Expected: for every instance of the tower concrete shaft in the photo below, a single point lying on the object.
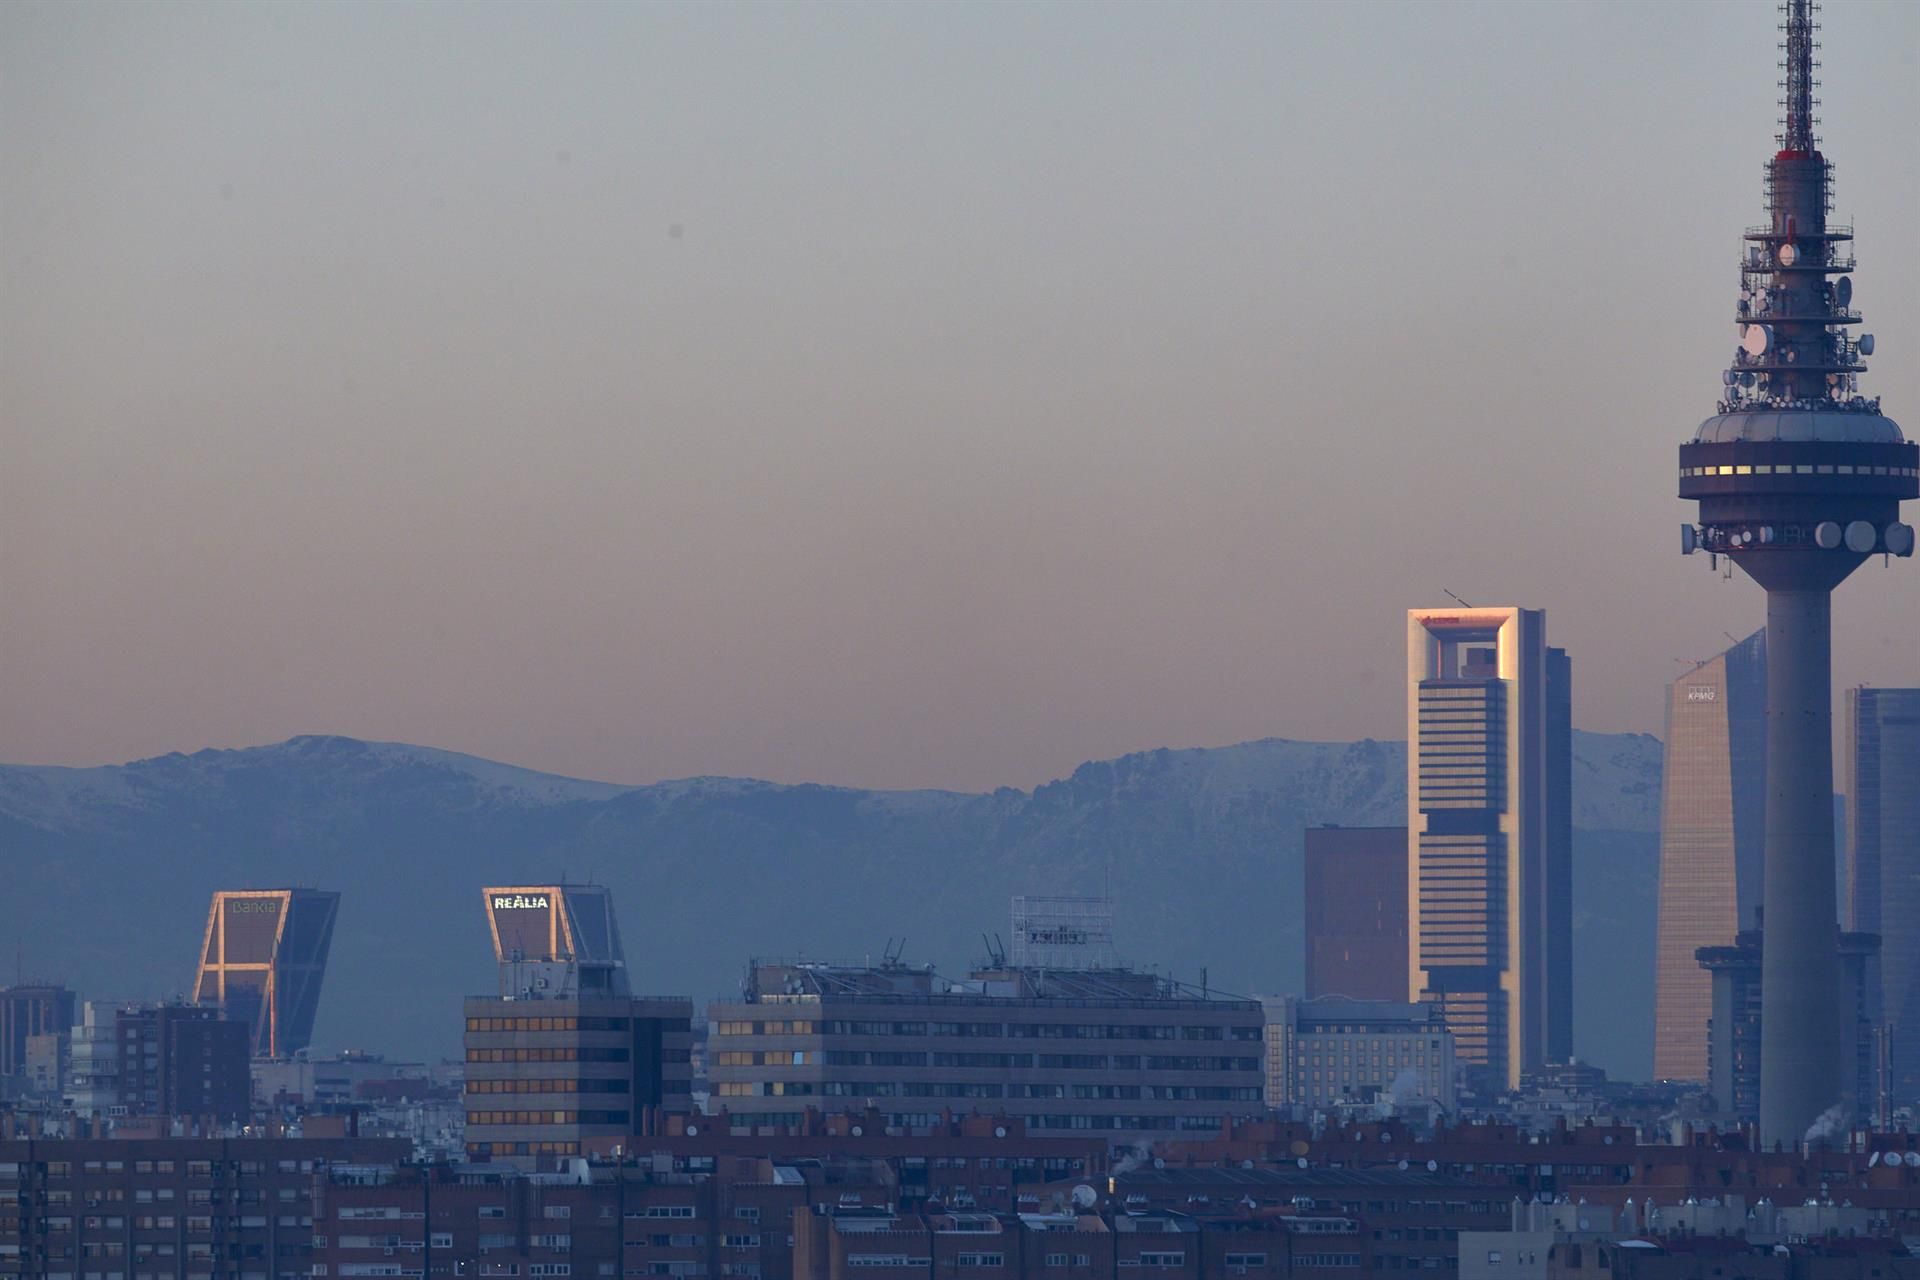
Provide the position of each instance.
(1800, 1058)
(1799, 480)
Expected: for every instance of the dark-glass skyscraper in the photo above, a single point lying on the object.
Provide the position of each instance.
(263, 959)
(1883, 850)
(1356, 912)
(1712, 831)
(1799, 479)
(1488, 903)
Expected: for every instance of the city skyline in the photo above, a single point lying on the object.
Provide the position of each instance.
(645, 429)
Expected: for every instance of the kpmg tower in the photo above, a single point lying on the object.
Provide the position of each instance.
(1799, 480)
(1712, 835)
(1489, 858)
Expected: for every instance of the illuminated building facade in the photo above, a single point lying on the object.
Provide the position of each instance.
(556, 940)
(1712, 833)
(263, 959)
(1489, 910)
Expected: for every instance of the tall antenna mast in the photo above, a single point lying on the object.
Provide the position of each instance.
(1796, 125)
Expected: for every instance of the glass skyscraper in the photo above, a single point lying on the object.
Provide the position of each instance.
(263, 959)
(1883, 861)
(1712, 841)
(1489, 833)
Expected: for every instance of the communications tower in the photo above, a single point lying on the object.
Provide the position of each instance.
(1799, 479)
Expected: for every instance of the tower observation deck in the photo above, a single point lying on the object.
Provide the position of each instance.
(1799, 480)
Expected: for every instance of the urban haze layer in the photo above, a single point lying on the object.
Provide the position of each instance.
(1055, 1112)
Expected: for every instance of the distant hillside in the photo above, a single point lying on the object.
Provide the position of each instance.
(109, 869)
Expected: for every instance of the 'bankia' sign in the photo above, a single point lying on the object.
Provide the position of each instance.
(520, 902)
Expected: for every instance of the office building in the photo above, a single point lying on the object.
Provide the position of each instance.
(544, 1075)
(1799, 479)
(263, 959)
(1356, 912)
(1736, 1032)
(1712, 840)
(182, 1060)
(1335, 1051)
(556, 940)
(1883, 844)
(1488, 906)
(565, 1053)
(27, 1011)
(1107, 1051)
(1559, 856)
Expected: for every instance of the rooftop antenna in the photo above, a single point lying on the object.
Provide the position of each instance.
(1456, 599)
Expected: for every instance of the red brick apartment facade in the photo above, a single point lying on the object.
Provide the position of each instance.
(166, 1208)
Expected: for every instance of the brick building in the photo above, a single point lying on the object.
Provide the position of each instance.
(166, 1208)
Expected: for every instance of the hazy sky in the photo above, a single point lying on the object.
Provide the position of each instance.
(894, 394)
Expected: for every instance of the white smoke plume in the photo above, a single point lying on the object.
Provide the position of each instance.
(1404, 1089)
(1831, 1124)
(1137, 1155)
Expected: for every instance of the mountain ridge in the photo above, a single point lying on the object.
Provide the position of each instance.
(1201, 846)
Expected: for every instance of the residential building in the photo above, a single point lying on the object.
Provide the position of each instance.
(1356, 912)
(93, 1062)
(1712, 841)
(182, 1060)
(1883, 856)
(1335, 1052)
(1488, 721)
(263, 959)
(173, 1208)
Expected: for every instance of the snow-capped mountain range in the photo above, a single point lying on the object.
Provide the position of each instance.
(109, 869)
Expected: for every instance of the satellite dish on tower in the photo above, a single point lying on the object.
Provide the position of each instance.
(1899, 538)
(1866, 344)
(1843, 290)
(1788, 255)
(1826, 535)
(1756, 339)
(1861, 536)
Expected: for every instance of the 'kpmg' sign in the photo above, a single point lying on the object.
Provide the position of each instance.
(520, 902)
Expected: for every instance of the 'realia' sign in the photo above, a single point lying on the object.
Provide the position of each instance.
(520, 901)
